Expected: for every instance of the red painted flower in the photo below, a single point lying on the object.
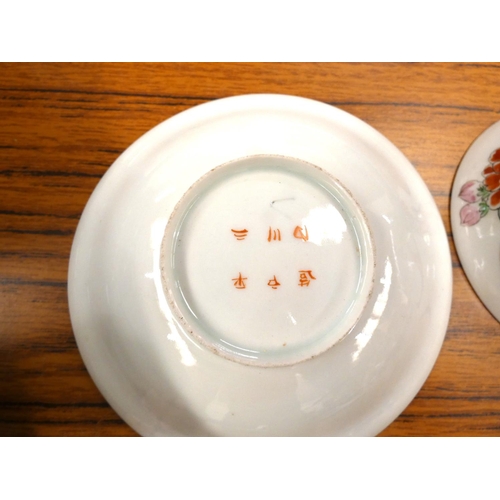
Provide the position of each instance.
(494, 200)
(495, 156)
(492, 181)
(489, 170)
(481, 197)
(494, 166)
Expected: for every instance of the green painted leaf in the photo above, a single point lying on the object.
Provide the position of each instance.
(483, 209)
(483, 192)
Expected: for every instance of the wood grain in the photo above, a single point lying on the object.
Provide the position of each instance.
(63, 125)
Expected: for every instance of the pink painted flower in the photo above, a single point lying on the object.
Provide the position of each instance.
(482, 197)
(469, 191)
(470, 214)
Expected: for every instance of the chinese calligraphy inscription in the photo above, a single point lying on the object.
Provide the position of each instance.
(240, 234)
(301, 233)
(305, 275)
(273, 283)
(239, 282)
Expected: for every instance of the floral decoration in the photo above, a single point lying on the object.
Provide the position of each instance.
(482, 196)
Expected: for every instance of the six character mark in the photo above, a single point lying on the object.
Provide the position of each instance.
(305, 275)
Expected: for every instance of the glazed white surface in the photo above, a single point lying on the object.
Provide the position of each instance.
(478, 245)
(242, 296)
(160, 380)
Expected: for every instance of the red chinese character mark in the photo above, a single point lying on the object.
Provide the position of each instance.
(240, 234)
(300, 233)
(239, 282)
(305, 278)
(274, 234)
(273, 283)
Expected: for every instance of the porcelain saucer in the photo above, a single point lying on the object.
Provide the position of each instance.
(261, 265)
(475, 216)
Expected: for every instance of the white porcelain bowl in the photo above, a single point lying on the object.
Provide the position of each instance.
(260, 265)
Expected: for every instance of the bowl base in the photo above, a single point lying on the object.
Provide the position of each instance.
(270, 261)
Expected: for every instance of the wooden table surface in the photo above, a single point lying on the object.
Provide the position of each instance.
(63, 125)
